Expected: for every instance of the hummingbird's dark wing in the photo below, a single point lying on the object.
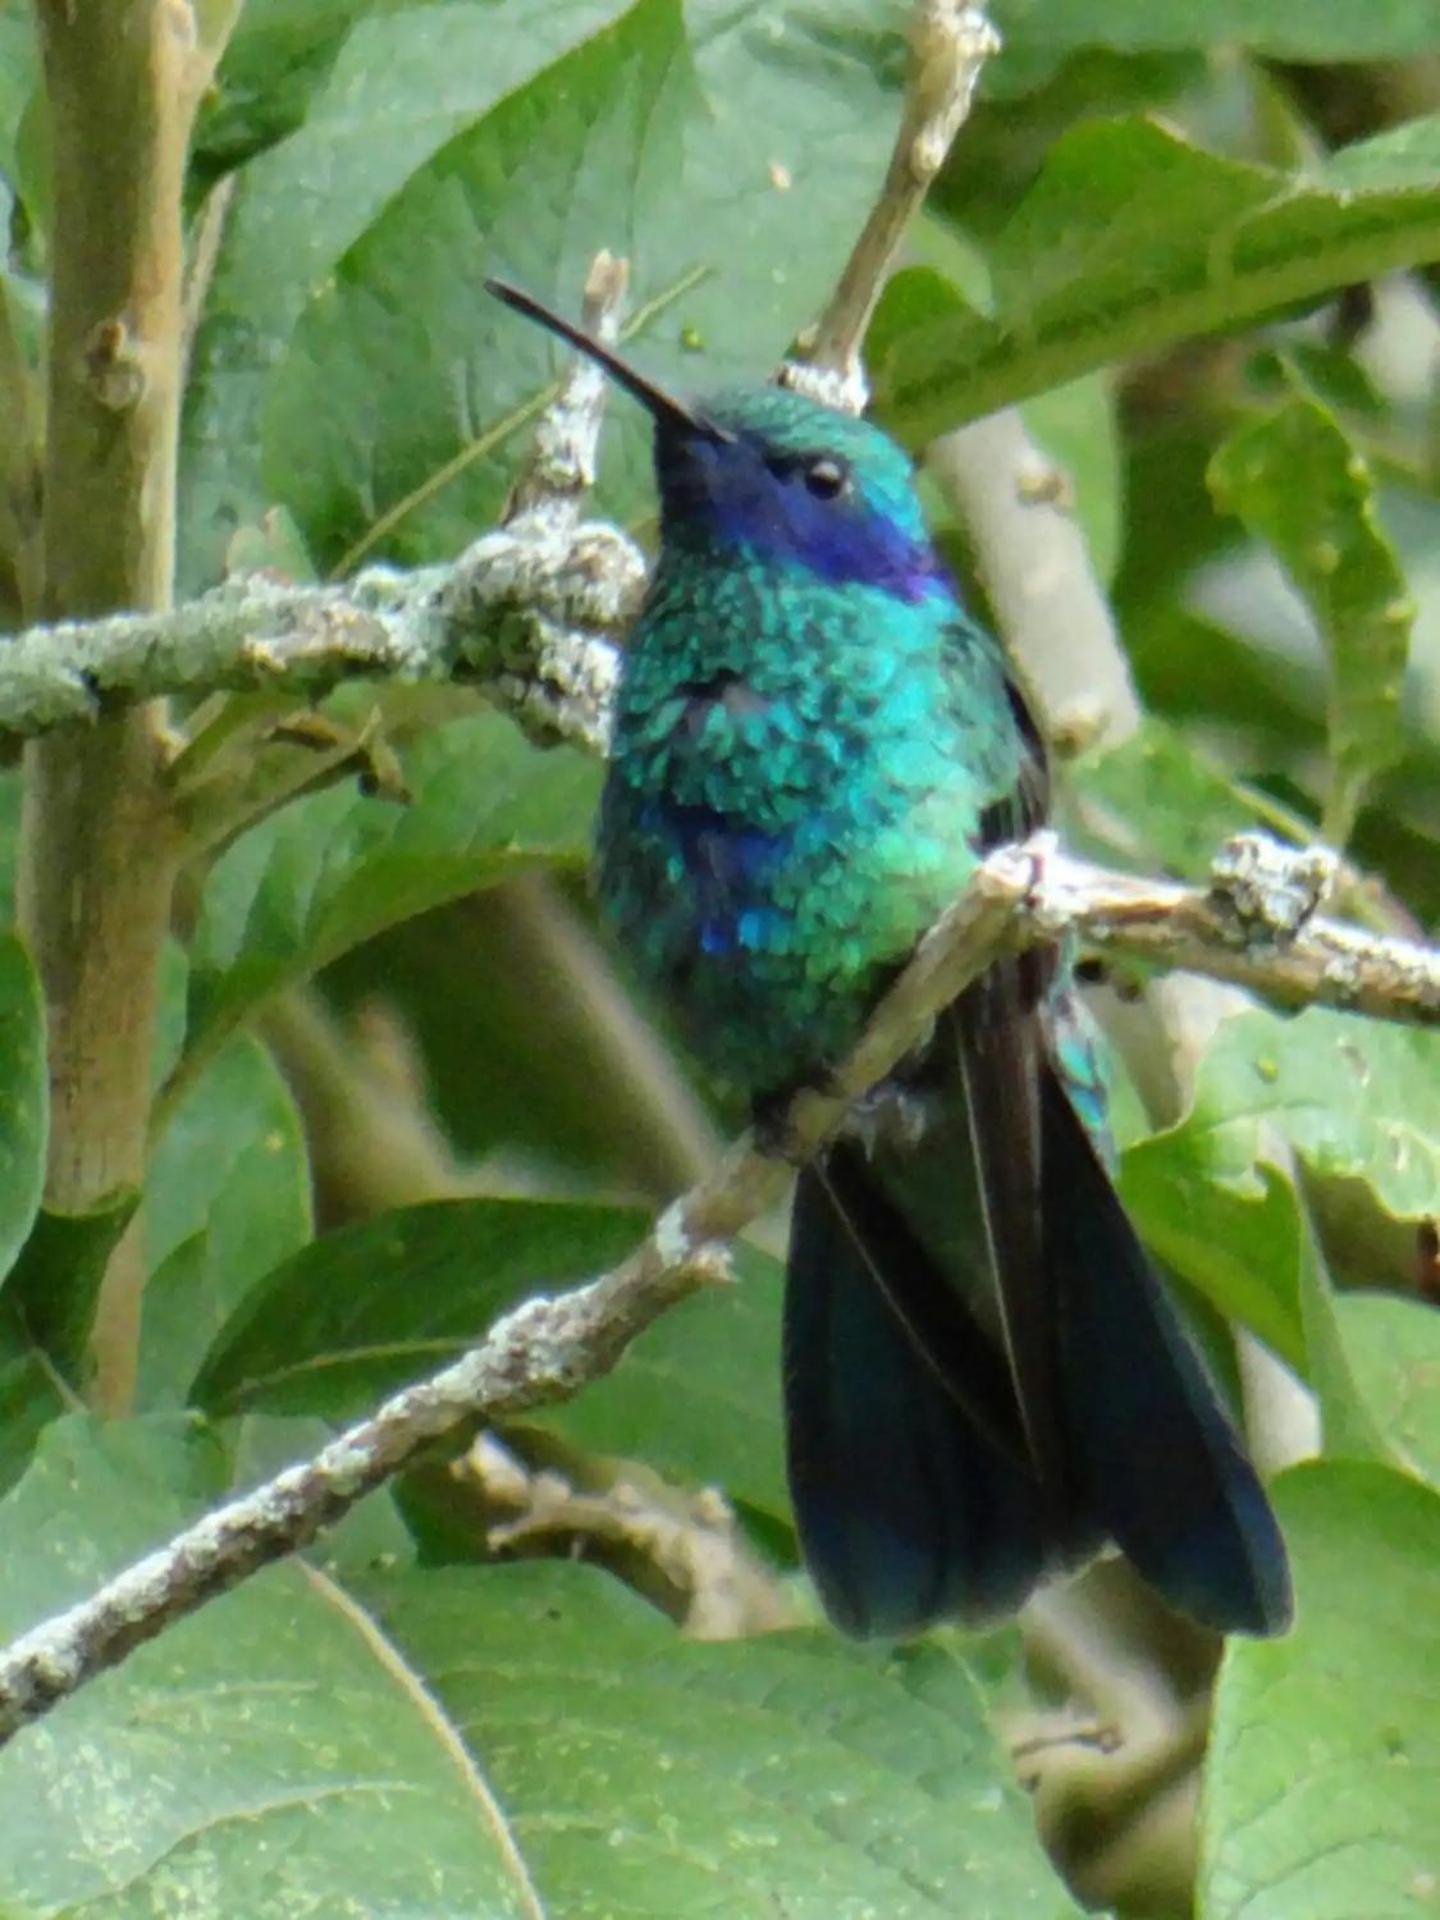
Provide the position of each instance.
(916, 1491)
(907, 1471)
(1154, 1456)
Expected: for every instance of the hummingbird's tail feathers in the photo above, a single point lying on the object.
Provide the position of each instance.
(910, 1508)
(998, 1052)
(1161, 1467)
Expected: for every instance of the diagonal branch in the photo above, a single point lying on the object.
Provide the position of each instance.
(1255, 923)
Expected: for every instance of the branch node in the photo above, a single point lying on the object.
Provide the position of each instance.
(113, 362)
(1267, 892)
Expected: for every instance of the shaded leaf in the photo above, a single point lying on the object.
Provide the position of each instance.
(1319, 1792)
(272, 1755)
(1227, 1221)
(227, 1198)
(32, 1394)
(315, 880)
(1131, 239)
(364, 1310)
(1157, 802)
(56, 1280)
(648, 1776)
(403, 83)
(1298, 485)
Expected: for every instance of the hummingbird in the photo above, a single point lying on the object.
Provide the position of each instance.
(814, 747)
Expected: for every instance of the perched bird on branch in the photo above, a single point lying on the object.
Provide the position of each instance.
(814, 747)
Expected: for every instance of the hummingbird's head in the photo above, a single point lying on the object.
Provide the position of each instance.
(766, 474)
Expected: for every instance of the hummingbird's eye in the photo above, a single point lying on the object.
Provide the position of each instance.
(826, 477)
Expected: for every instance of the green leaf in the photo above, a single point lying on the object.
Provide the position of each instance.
(19, 73)
(1355, 1099)
(1156, 801)
(1298, 484)
(1225, 1220)
(272, 1755)
(1284, 29)
(56, 1281)
(24, 1098)
(330, 870)
(404, 82)
(650, 1776)
(1394, 1352)
(1319, 1796)
(698, 1395)
(1131, 239)
(733, 240)
(1349, 1427)
(227, 1197)
(364, 1310)
(32, 1394)
(425, 372)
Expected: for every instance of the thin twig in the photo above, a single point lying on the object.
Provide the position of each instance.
(950, 41)
(1256, 919)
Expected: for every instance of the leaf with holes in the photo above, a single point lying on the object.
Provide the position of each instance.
(1298, 484)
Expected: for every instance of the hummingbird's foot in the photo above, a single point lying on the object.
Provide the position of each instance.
(891, 1114)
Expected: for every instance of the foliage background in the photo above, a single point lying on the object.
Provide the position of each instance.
(401, 1082)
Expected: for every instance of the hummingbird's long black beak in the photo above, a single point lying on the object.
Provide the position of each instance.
(663, 406)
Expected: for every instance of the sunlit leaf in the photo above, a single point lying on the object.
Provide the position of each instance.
(1319, 1801)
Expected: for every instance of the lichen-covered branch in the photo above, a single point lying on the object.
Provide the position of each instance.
(476, 620)
(1256, 922)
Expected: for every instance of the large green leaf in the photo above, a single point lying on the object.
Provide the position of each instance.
(1131, 239)
(331, 870)
(421, 368)
(1353, 1098)
(227, 1197)
(375, 1305)
(1320, 1781)
(362, 1311)
(24, 1098)
(274, 1755)
(1299, 485)
(733, 242)
(647, 1776)
(403, 83)
(1393, 1346)
(1039, 31)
